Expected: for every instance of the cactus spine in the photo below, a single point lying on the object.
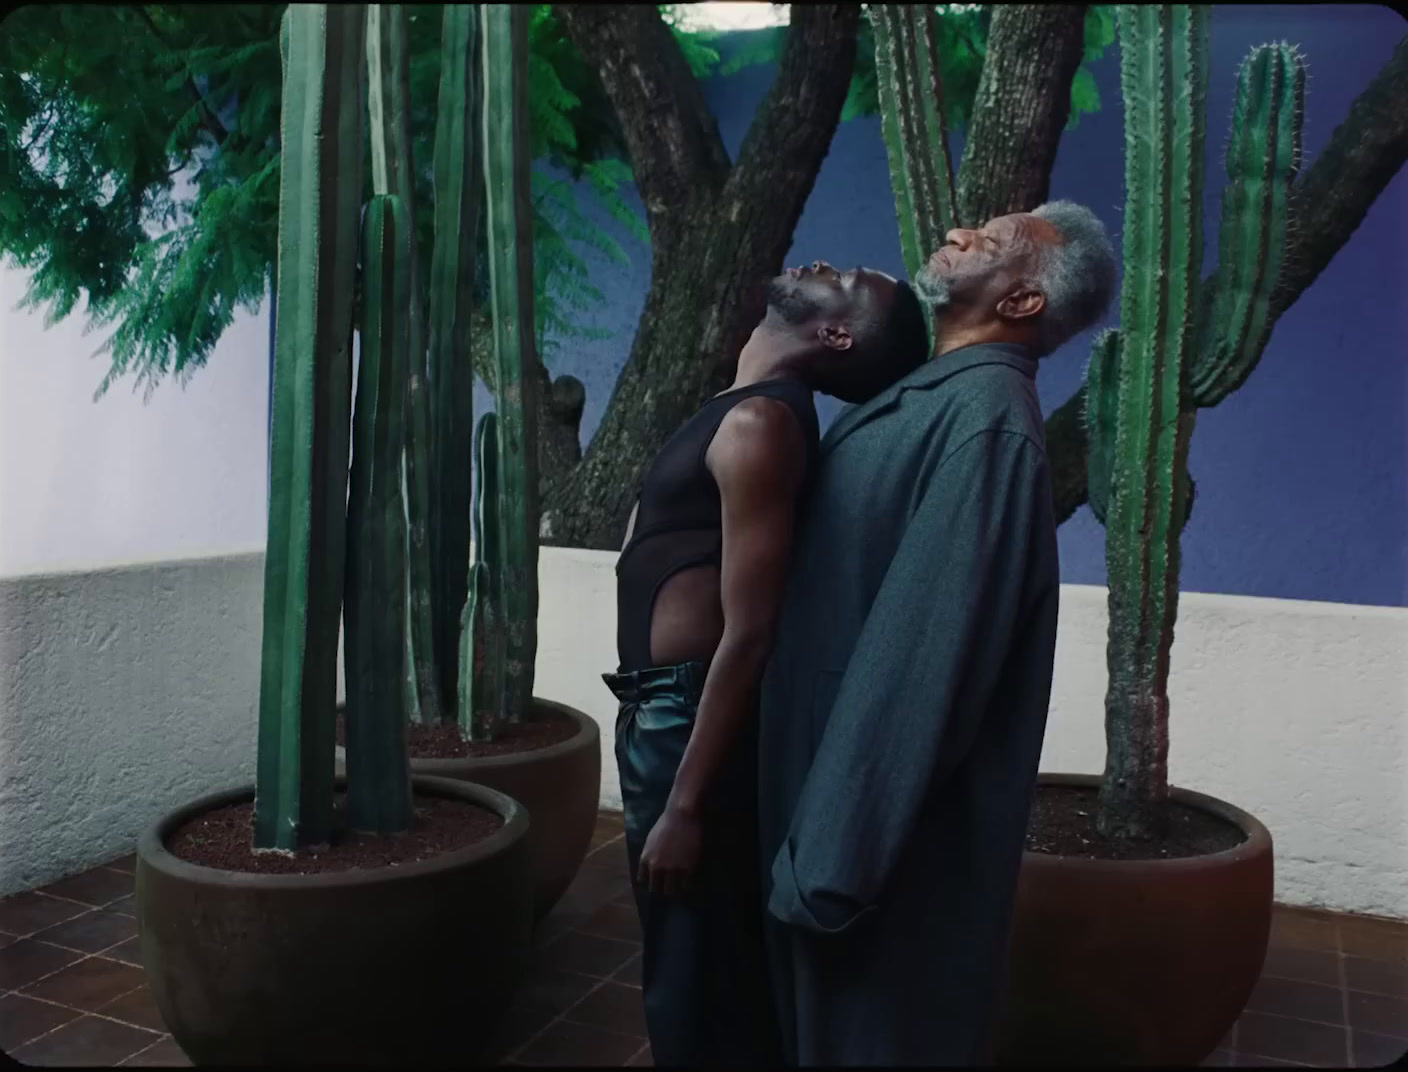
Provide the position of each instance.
(481, 699)
(388, 68)
(320, 190)
(510, 222)
(1171, 353)
(458, 195)
(912, 122)
(378, 765)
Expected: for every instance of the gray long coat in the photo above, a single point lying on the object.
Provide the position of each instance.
(902, 716)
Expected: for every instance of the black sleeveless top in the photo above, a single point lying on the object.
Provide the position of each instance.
(679, 519)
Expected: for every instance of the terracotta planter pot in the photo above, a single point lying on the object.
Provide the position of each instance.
(406, 965)
(559, 785)
(1136, 962)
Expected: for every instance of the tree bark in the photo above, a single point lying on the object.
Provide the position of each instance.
(1021, 108)
(560, 403)
(717, 232)
(1328, 203)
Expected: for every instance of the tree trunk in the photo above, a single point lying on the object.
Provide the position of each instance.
(560, 403)
(1328, 204)
(718, 232)
(1021, 108)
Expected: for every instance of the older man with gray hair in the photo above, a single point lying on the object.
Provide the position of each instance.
(903, 710)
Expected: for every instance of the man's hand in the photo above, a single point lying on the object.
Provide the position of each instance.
(671, 852)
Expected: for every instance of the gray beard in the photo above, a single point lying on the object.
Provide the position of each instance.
(932, 289)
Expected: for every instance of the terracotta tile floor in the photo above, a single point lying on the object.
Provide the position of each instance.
(1334, 992)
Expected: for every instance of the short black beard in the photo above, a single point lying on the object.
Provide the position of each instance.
(792, 307)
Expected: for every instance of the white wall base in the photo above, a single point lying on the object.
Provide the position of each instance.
(128, 692)
(1296, 712)
(124, 693)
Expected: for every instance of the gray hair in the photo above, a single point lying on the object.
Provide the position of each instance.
(1077, 276)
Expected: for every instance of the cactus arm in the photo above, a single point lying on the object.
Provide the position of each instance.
(481, 627)
(378, 764)
(320, 187)
(913, 126)
(1102, 384)
(940, 191)
(388, 69)
(510, 240)
(1263, 158)
(458, 186)
(1164, 77)
(887, 64)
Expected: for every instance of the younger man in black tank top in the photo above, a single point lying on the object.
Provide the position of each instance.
(699, 583)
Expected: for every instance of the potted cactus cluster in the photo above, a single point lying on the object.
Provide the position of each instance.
(1143, 911)
(471, 639)
(377, 914)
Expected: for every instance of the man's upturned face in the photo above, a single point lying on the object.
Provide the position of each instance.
(826, 306)
(978, 268)
(814, 293)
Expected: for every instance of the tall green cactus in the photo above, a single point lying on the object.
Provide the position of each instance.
(1172, 352)
(459, 180)
(481, 691)
(388, 68)
(506, 176)
(913, 126)
(320, 190)
(378, 765)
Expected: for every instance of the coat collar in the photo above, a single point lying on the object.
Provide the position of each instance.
(930, 374)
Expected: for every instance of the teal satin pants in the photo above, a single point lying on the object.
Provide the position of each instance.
(703, 965)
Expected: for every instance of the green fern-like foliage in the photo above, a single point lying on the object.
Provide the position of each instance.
(154, 211)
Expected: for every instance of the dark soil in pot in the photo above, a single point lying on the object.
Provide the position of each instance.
(542, 729)
(1062, 823)
(223, 839)
(550, 762)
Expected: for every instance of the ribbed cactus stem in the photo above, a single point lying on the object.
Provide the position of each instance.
(1102, 393)
(481, 702)
(1164, 78)
(388, 70)
(510, 242)
(1263, 158)
(320, 191)
(458, 185)
(913, 126)
(378, 766)
(1101, 397)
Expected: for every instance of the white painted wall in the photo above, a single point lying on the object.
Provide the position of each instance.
(85, 484)
(125, 692)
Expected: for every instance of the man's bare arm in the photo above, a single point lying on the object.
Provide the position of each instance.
(758, 458)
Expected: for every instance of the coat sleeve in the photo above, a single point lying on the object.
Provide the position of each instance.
(922, 673)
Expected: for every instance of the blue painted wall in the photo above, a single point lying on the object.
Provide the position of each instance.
(1303, 474)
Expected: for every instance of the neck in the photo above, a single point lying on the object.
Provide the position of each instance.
(957, 335)
(767, 355)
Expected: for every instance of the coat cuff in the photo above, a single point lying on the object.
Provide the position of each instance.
(818, 912)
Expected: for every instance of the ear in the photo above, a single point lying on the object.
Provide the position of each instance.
(1021, 304)
(835, 337)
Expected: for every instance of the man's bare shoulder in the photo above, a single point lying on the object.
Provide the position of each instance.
(759, 439)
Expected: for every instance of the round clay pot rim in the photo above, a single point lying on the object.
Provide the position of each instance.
(586, 728)
(1258, 841)
(152, 851)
